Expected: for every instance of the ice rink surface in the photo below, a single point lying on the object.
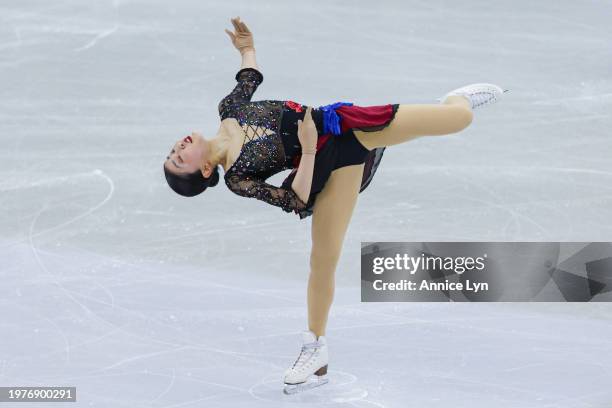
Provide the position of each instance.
(139, 298)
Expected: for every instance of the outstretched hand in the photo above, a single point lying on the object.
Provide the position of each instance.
(307, 132)
(242, 38)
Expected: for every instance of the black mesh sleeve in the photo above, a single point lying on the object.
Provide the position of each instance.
(249, 186)
(306, 210)
(248, 80)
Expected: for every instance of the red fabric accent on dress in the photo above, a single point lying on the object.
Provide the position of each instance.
(363, 117)
(354, 117)
(321, 141)
(294, 106)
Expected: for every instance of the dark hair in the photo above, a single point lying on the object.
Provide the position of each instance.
(189, 185)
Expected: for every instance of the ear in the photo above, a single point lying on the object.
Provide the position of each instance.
(206, 169)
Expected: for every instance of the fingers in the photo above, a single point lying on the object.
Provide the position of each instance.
(308, 114)
(239, 26)
(232, 36)
(236, 24)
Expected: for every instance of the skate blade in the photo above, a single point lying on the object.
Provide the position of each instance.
(309, 384)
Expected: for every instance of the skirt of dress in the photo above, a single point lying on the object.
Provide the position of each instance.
(339, 150)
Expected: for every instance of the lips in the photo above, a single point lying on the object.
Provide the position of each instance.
(188, 139)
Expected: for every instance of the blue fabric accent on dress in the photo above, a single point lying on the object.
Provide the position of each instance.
(331, 120)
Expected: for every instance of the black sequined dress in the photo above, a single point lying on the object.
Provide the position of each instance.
(271, 145)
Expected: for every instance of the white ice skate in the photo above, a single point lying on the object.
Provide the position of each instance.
(310, 368)
(478, 94)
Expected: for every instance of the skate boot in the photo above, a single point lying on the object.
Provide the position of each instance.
(478, 94)
(310, 368)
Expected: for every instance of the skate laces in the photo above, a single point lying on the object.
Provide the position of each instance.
(308, 350)
(480, 98)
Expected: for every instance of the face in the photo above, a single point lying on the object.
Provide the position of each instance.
(186, 155)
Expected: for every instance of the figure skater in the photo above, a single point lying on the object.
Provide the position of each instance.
(334, 151)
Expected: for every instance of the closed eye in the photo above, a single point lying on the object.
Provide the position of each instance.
(172, 152)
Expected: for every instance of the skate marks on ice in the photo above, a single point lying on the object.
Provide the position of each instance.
(513, 211)
(54, 182)
(341, 389)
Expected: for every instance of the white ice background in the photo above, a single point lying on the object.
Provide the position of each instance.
(111, 283)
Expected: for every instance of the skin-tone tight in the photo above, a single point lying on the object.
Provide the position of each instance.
(335, 203)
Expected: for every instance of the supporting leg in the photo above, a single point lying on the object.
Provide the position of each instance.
(331, 216)
(412, 121)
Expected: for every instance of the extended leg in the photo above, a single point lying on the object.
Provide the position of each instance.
(330, 219)
(412, 121)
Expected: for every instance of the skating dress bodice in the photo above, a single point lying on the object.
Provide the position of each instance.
(264, 151)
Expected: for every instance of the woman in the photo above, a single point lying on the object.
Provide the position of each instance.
(334, 152)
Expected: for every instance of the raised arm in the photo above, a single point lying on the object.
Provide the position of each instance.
(242, 38)
(249, 77)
